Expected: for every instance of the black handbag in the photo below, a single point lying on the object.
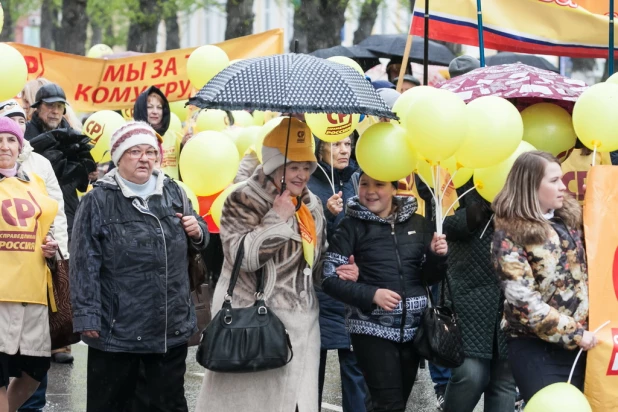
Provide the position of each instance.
(439, 339)
(248, 339)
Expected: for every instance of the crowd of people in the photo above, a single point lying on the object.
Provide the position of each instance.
(347, 261)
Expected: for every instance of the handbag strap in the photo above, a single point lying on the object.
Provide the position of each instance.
(186, 209)
(59, 250)
(240, 254)
(444, 282)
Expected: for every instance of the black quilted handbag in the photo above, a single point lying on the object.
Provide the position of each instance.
(439, 339)
(248, 339)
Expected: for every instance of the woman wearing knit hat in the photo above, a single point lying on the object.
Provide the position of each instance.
(398, 254)
(285, 237)
(129, 278)
(25, 244)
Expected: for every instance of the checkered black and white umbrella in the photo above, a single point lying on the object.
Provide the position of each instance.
(291, 83)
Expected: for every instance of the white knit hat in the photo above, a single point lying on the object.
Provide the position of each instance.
(129, 135)
(10, 108)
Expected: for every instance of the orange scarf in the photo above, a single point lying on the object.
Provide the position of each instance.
(306, 224)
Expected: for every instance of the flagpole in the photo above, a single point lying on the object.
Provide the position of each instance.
(611, 37)
(479, 12)
(426, 46)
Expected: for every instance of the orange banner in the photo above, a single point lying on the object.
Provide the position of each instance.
(98, 84)
(601, 227)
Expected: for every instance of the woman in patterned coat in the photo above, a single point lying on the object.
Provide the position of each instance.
(540, 258)
(285, 242)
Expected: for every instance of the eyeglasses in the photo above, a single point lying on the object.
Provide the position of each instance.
(137, 154)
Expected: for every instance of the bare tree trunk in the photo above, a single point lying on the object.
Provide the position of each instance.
(74, 27)
(318, 24)
(369, 13)
(8, 32)
(144, 27)
(97, 34)
(172, 38)
(49, 24)
(239, 18)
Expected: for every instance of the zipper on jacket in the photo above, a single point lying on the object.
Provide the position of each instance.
(166, 267)
(404, 305)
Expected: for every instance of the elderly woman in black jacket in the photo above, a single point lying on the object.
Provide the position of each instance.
(397, 253)
(129, 278)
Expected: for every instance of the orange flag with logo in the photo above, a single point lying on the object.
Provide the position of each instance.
(601, 227)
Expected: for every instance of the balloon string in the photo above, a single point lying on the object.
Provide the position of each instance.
(332, 168)
(433, 196)
(594, 155)
(457, 200)
(581, 350)
(439, 209)
(487, 225)
(330, 182)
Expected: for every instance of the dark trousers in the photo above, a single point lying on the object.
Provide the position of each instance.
(353, 390)
(389, 368)
(537, 364)
(37, 401)
(112, 379)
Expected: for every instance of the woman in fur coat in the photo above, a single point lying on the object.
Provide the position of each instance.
(539, 254)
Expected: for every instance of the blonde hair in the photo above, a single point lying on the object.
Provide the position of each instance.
(28, 95)
(519, 199)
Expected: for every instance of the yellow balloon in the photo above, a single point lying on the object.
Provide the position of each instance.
(204, 63)
(242, 118)
(216, 210)
(331, 127)
(264, 130)
(190, 195)
(461, 175)
(494, 131)
(436, 124)
(490, 180)
(175, 123)
(258, 118)
(559, 397)
(595, 119)
(209, 162)
(99, 50)
(612, 79)
(127, 114)
(346, 61)
(211, 119)
(179, 109)
(14, 72)
(245, 138)
(423, 169)
(384, 152)
(408, 97)
(100, 127)
(549, 128)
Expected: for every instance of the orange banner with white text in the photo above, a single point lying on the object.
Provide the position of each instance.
(98, 84)
(601, 227)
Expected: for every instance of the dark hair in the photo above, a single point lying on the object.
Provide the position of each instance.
(361, 172)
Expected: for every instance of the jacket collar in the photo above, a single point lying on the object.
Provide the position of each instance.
(36, 120)
(405, 209)
(21, 174)
(112, 181)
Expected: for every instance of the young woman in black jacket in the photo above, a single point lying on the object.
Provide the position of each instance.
(397, 253)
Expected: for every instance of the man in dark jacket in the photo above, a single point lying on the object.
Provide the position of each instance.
(153, 108)
(50, 108)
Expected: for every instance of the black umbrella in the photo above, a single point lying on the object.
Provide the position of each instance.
(364, 57)
(529, 59)
(393, 45)
(292, 83)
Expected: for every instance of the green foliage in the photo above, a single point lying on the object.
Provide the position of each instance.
(20, 8)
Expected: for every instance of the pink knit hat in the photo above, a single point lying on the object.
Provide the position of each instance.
(8, 125)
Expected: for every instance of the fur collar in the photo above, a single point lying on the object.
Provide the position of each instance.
(526, 232)
(265, 188)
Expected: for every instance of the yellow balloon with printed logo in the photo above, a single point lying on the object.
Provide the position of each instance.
(346, 61)
(436, 124)
(127, 114)
(216, 210)
(14, 72)
(490, 180)
(384, 152)
(549, 128)
(594, 117)
(331, 127)
(204, 63)
(494, 131)
(211, 119)
(100, 127)
(190, 195)
(242, 118)
(209, 162)
(175, 123)
(180, 110)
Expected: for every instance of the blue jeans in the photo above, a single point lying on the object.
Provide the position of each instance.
(353, 388)
(36, 403)
(439, 375)
(476, 377)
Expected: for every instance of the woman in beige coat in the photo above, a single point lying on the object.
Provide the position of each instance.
(273, 242)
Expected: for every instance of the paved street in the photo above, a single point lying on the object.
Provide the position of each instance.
(67, 386)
